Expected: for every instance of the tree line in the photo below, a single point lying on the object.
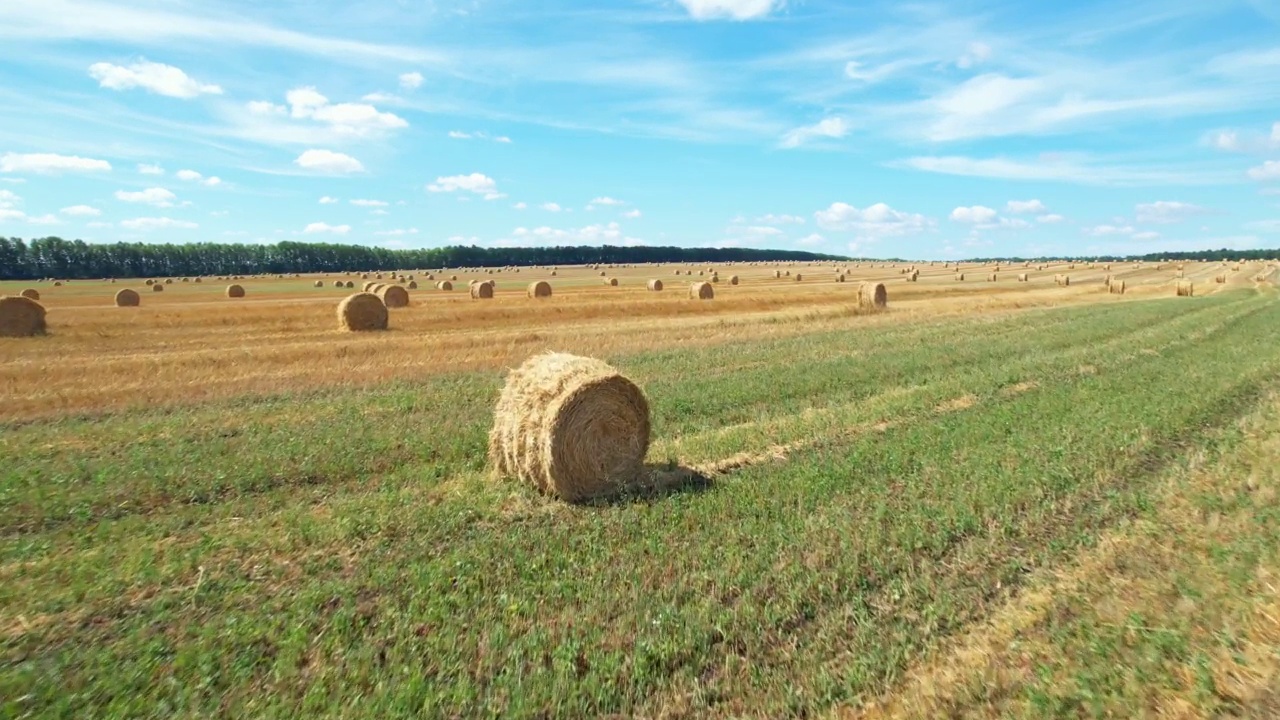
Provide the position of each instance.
(59, 258)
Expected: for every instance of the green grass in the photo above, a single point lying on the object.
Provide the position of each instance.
(341, 553)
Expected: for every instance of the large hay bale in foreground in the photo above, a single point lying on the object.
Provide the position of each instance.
(656, 285)
(570, 426)
(539, 289)
(701, 291)
(481, 291)
(394, 296)
(1185, 288)
(30, 294)
(128, 298)
(21, 317)
(362, 311)
(873, 295)
(235, 291)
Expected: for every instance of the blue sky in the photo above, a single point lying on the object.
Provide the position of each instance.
(918, 130)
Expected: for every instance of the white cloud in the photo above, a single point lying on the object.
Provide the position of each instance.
(81, 211)
(877, 220)
(145, 169)
(1275, 133)
(326, 200)
(478, 135)
(475, 182)
(157, 223)
(370, 203)
(158, 78)
(262, 107)
(459, 135)
(50, 163)
(631, 214)
(977, 54)
(1166, 211)
(520, 205)
(1050, 218)
(832, 127)
(328, 161)
(1104, 230)
(8, 198)
(855, 70)
(605, 200)
(975, 214)
(771, 219)
(964, 111)
(1019, 207)
(411, 80)
(502, 139)
(1228, 140)
(598, 234)
(1269, 170)
(811, 240)
(1147, 235)
(731, 9)
(193, 176)
(43, 219)
(343, 120)
(550, 207)
(397, 232)
(320, 227)
(381, 97)
(160, 197)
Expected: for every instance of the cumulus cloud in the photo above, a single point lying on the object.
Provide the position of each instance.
(146, 169)
(598, 234)
(157, 223)
(974, 214)
(321, 227)
(193, 176)
(976, 54)
(631, 214)
(550, 207)
(811, 240)
(730, 9)
(81, 211)
(328, 161)
(520, 205)
(159, 197)
(878, 220)
(326, 200)
(50, 163)
(411, 80)
(153, 77)
(605, 200)
(477, 183)
(1019, 207)
(1269, 170)
(345, 119)
(1166, 211)
(832, 127)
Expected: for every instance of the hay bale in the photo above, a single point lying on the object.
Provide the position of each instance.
(799, 277)
(603, 273)
(959, 277)
(701, 291)
(128, 298)
(57, 283)
(1185, 288)
(733, 279)
(539, 289)
(481, 291)
(840, 277)
(338, 284)
(30, 294)
(776, 273)
(1179, 275)
(235, 291)
(655, 285)
(1116, 287)
(157, 288)
(362, 311)
(350, 285)
(368, 286)
(21, 317)
(992, 277)
(168, 281)
(413, 284)
(1022, 277)
(873, 295)
(611, 281)
(394, 296)
(1220, 279)
(444, 285)
(454, 278)
(913, 276)
(570, 426)
(150, 282)
(678, 271)
(318, 283)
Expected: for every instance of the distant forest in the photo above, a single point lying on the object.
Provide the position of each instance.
(59, 258)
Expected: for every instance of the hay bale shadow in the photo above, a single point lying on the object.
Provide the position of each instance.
(656, 482)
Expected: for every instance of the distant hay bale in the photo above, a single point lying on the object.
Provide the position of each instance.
(787, 273)
(611, 281)
(678, 271)
(377, 288)
(362, 312)
(413, 284)
(873, 295)
(150, 282)
(959, 277)
(913, 276)
(840, 277)
(539, 289)
(1178, 275)
(235, 291)
(993, 277)
(570, 426)
(655, 285)
(603, 273)
(1022, 277)
(157, 288)
(57, 283)
(197, 280)
(350, 285)
(733, 279)
(338, 284)
(481, 291)
(1220, 279)
(128, 298)
(21, 317)
(394, 296)
(444, 285)
(1116, 287)
(1185, 288)
(318, 283)
(776, 273)
(377, 276)
(168, 281)
(798, 277)
(454, 278)
(701, 291)
(30, 294)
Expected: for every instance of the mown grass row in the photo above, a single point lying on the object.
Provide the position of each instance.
(786, 588)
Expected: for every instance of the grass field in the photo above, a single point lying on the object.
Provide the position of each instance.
(993, 499)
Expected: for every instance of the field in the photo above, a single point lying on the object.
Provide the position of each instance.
(991, 499)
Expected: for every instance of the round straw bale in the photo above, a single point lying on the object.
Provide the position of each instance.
(677, 271)
(481, 291)
(394, 296)
(733, 279)
(128, 298)
(960, 277)
(570, 426)
(776, 273)
(369, 286)
(1022, 277)
(21, 317)
(453, 278)
(840, 277)
(413, 284)
(1220, 279)
(613, 282)
(993, 277)
(235, 291)
(57, 283)
(350, 285)
(338, 283)
(157, 288)
(168, 281)
(1116, 287)
(539, 289)
(873, 295)
(603, 273)
(444, 285)
(701, 291)
(150, 282)
(31, 294)
(362, 311)
(1185, 288)
(654, 285)
(799, 277)
(318, 283)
